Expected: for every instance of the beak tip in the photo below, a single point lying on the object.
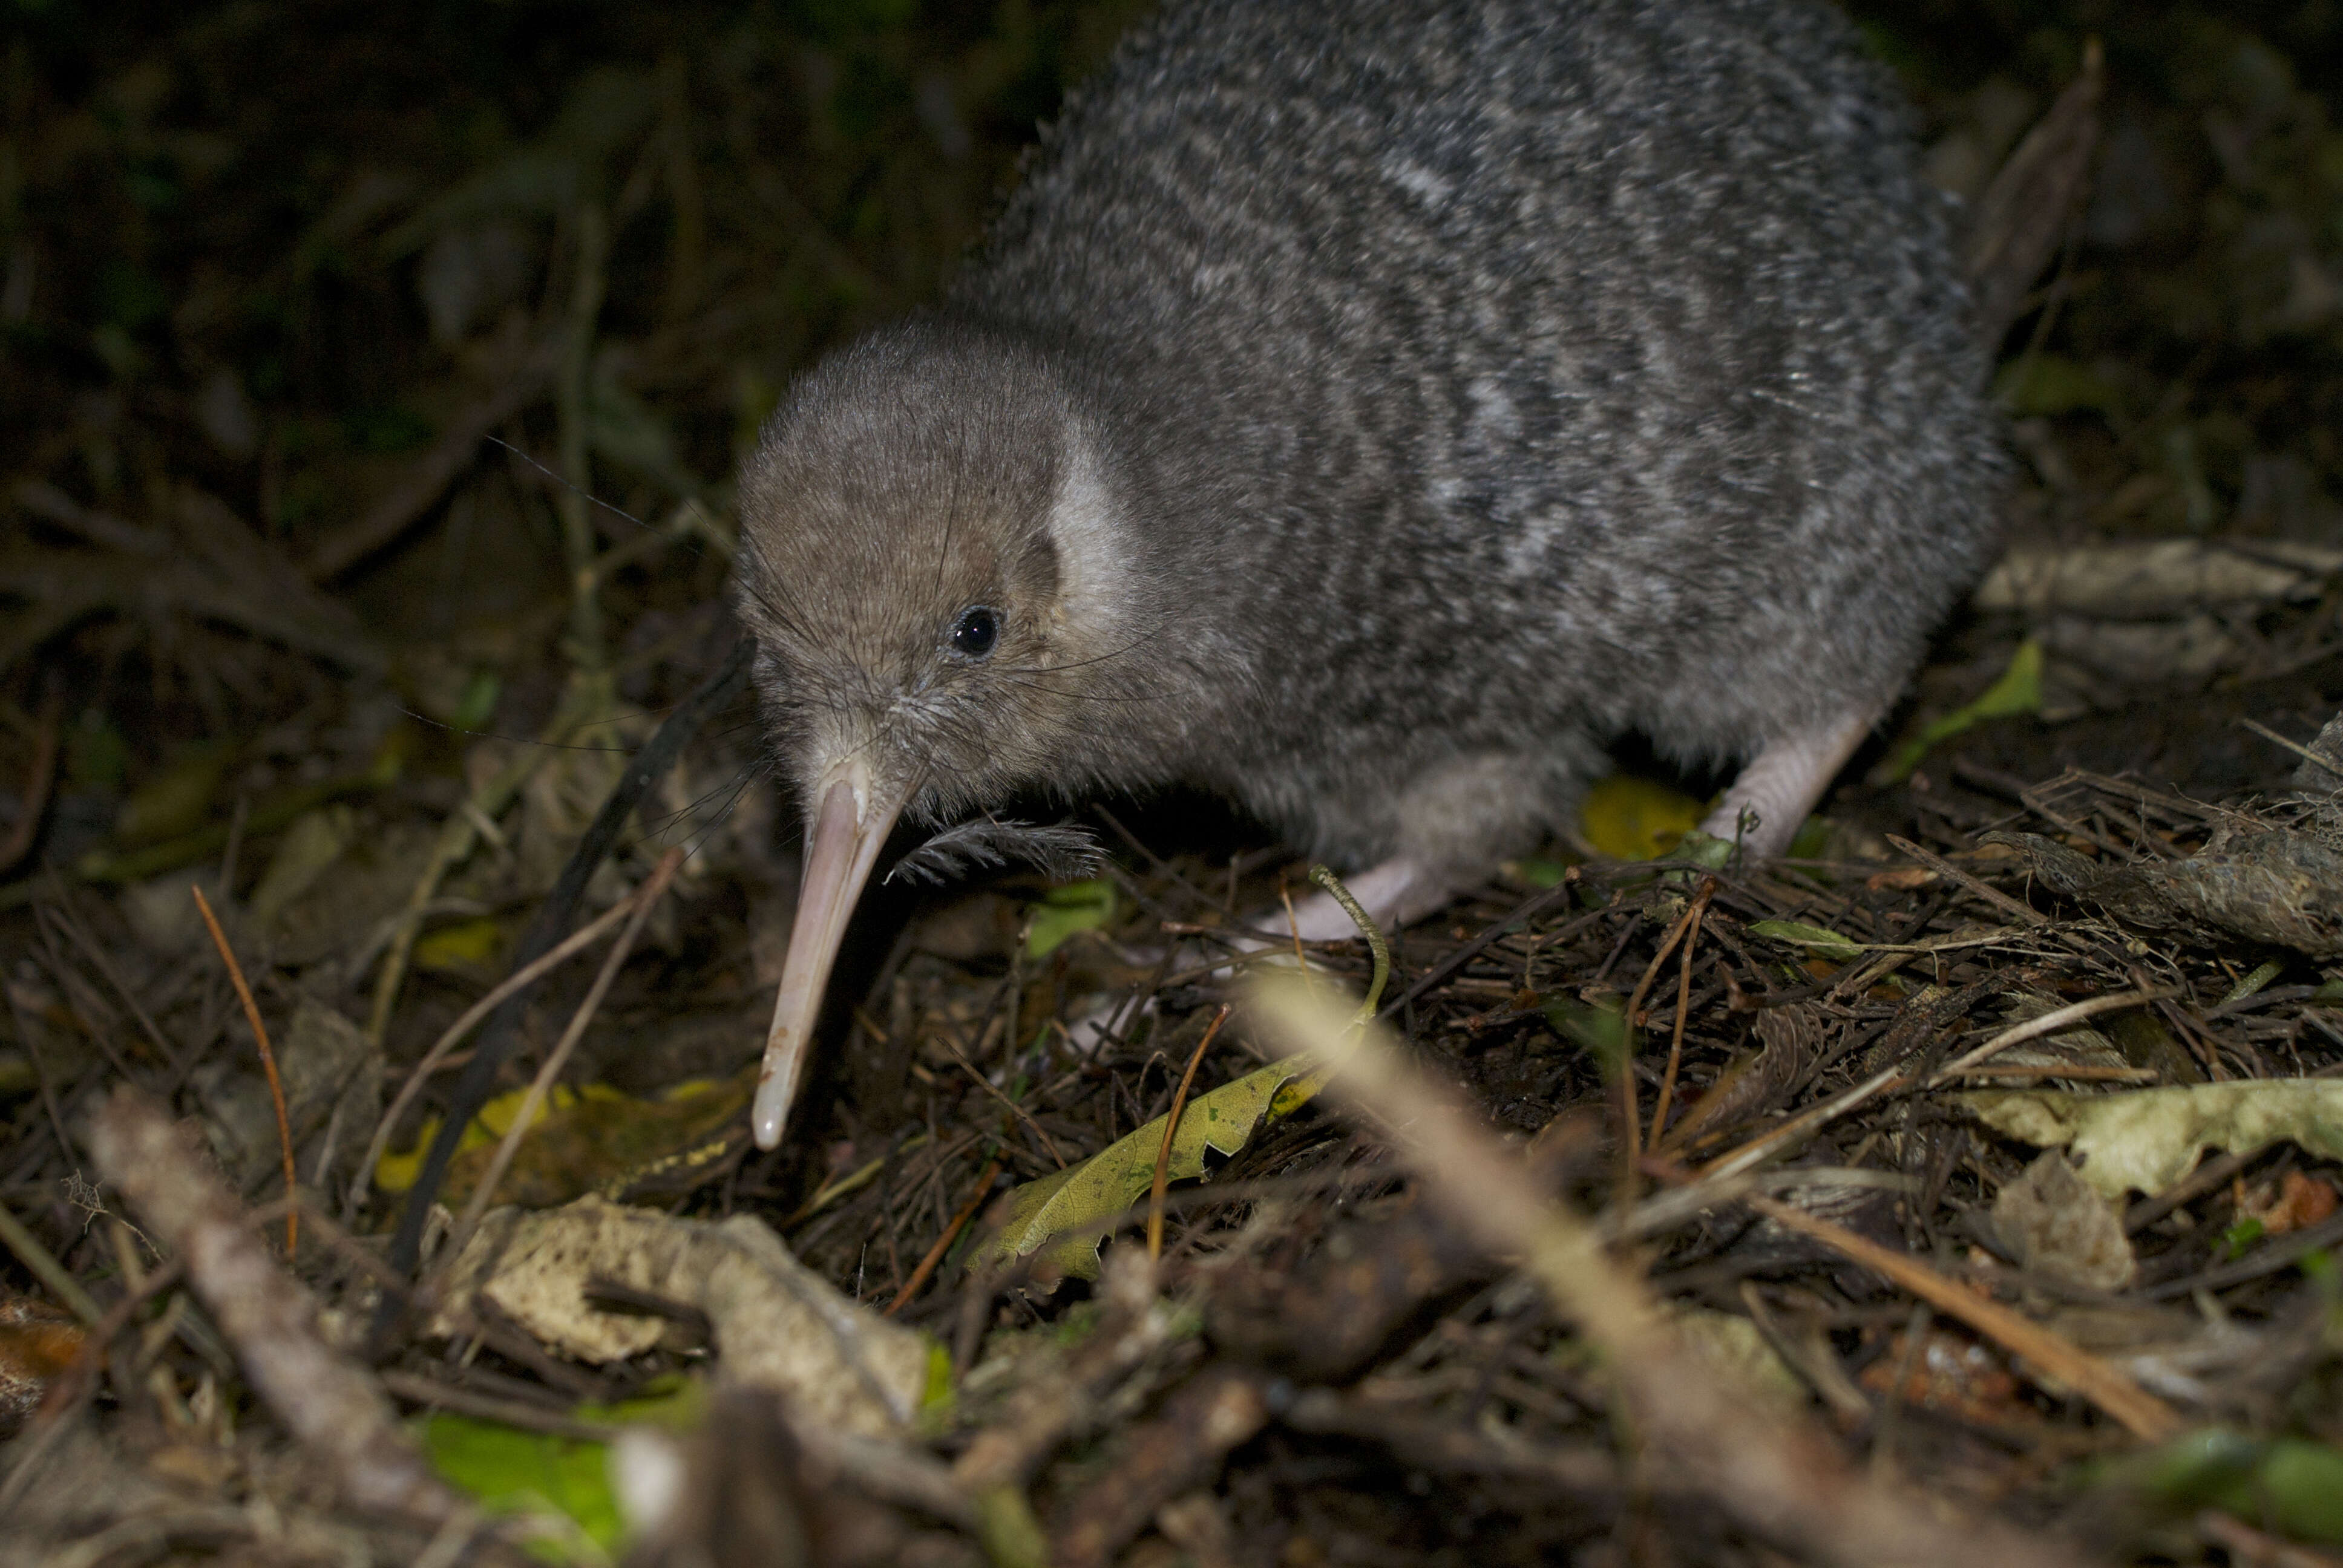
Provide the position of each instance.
(767, 1119)
(842, 841)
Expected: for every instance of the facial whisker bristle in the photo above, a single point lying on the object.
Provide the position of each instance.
(1061, 853)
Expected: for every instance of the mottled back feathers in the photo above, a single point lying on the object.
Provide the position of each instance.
(1357, 395)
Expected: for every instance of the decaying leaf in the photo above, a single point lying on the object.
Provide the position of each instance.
(591, 1138)
(2294, 1201)
(775, 1322)
(2145, 1140)
(2077, 1046)
(1792, 1040)
(307, 851)
(1819, 940)
(2153, 579)
(1733, 1346)
(2280, 885)
(1084, 1196)
(2060, 1229)
(37, 1343)
(467, 948)
(329, 1073)
(1950, 1372)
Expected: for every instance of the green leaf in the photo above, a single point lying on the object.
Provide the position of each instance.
(2017, 691)
(2261, 976)
(1601, 1030)
(2289, 1485)
(2044, 385)
(1102, 1187)
(1063, 911)
(477, 704)
(509, 1471)
(1539, 874)
(1822, 941)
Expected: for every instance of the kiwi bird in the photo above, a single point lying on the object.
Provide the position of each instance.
(1368, 410)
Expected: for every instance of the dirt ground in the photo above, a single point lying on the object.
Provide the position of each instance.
(1967, 1182)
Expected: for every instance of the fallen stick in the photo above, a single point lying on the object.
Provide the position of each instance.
(1781, 1478)
(2143, 1414)
(326, 1400)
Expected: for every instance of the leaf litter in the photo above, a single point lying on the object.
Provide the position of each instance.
(282, 623)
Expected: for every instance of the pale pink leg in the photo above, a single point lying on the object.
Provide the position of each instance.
(1781, 785)
(1393, 893)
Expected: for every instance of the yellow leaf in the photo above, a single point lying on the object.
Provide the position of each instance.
(462, 947)
(592, 1139)
(1631, 819)
(177, 798)
(1101, 1187)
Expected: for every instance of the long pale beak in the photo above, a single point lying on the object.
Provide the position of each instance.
(848, 827)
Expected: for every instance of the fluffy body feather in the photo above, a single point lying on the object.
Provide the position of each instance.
(1367, 410)
(1446, 388)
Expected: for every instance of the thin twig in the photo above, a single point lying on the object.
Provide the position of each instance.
(1170, 1127)
(2050, 1022)
(935, 1254)
(35, 801)
(2025, 914)
(1630, 1119)
(457, 837)
(520, 980)
(1780, 1139)
(77, 932)
(47, 1270)
(542, 1085)
(1524, 912)
(1368, 930)
(24, 1028)
(1684, 1006)
(327, 1401)
(1779, 1475)
(1015, 1110)
(267, 1056)
(2305, 752)
(2143, 1414)
(571, 396)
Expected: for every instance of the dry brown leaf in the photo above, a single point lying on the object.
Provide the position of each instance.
(776, 1322)
(2058, 1227)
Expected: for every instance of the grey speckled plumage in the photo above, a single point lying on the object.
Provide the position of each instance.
(1366, 410)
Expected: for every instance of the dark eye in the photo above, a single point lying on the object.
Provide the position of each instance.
(976, 631)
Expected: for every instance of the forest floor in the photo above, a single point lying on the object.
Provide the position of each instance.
(1968, 1182)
